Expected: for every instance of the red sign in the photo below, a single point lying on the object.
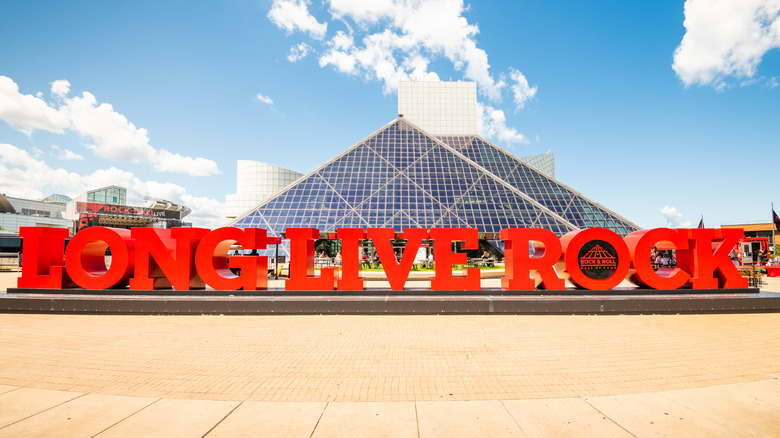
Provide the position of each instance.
(193, 258)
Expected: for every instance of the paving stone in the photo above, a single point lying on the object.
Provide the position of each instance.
(466, 419)
(270, 419)
(21, 403)
(634, 369)
(6, 388)
(562, 417)
(651, 415)
(767, 391)
(734, 407)
(171, 417)
(385, 358)
(79, 417)
(367, 419)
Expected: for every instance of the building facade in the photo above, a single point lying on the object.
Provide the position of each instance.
(766, 230)
(256, 182)
(440, 108)
(405, 176)
(107, 207)
(19, 212)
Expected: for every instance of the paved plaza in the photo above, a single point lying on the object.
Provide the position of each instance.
(456, 375)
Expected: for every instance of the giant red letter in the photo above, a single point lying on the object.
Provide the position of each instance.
(350, 264)
(519, 264)
(640, 244)
(211, 259)
(302, 262)
(165, 258)
(44, 254)
(397, 272)
(444, 259)
(707, 258)
(593, 248)
(85, 257)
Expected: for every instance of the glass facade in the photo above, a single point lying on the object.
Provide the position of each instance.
(108, 195)
(402, 177)
(544, 163)
(564, 201)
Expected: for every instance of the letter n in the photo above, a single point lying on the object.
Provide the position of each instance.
(166, 258)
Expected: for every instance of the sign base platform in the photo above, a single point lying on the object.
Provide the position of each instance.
(387, 302)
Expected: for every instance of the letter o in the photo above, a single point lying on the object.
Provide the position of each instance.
(85, 258)
(571, 244)
(640, 244)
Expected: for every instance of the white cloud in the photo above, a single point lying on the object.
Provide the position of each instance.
(26, 112)
(165, 161)
(725, 39)
(60, 88)
(265, 99)
(24, 176)
(292, 15)
(66, 154)
(114, 137)
(398, 39)
(342, 61)
(674, 219)
(108, 133)
(341, 41)
(206, 212)
(362, 11)
(298, 52)
(521, 90)
(339, 55)
(491, 124)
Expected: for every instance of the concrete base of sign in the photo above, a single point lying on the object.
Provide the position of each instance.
(407, 302)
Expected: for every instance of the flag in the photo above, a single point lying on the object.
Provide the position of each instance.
(775, 219)
(701, 223)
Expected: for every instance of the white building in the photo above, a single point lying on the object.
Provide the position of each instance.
(18, 212)
(256, 182)
(440, 108)
(450, 109)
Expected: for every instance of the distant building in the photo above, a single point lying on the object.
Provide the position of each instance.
(107, 207)
(112, 195)
(440, 108)
(758, 230)
(255, 183)
(19, 212)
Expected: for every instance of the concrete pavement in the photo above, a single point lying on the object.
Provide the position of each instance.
(425, 376)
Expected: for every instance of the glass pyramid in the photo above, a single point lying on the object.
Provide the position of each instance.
(558, 197)
(402, 177)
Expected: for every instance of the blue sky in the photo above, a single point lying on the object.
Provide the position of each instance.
(662, 111)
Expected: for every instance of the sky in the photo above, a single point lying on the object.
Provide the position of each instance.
(665, 112)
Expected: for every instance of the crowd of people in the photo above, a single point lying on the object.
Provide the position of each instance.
(663, 258)
(367, 260)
